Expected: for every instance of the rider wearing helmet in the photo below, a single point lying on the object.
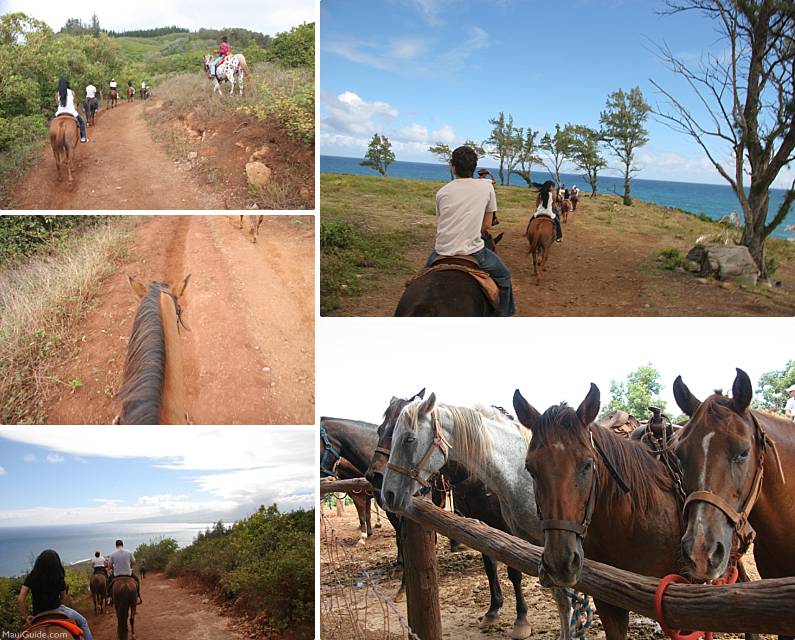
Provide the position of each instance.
(223, 50)
(65, 99)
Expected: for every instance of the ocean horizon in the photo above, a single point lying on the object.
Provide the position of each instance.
(19, 546)
(713, 200)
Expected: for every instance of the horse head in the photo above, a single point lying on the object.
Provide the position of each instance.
(377, 467)
(562, 460)
(419, 449)
(721, 451)
(207, 60)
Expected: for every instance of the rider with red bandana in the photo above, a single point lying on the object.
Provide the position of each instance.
(223, 50)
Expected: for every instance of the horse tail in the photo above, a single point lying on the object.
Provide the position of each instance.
(122, 610)
(243, 65)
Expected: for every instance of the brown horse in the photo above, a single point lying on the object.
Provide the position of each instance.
(733, 463)
(51, 625)
(113, 98)
(64, 137)
(125, 599)
(90, 108)
(254, 223)
(566, 208)
(130, 92)
(578, 470)
(153, 390)
(98, 587)
(540, 237)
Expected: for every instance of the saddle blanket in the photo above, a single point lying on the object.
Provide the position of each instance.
(483, 279)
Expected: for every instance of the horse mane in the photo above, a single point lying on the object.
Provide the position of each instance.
(144, 371)
(644, 475)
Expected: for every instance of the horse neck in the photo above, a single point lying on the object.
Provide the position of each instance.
(173, 407)
(502, 470)
(357, 440)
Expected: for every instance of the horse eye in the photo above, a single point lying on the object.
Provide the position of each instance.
(742, 456)
(410, 438)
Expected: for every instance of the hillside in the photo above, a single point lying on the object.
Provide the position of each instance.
(376, 232)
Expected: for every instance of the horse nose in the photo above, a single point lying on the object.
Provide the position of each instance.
(717, 556)
(389, 499)
(575, 564)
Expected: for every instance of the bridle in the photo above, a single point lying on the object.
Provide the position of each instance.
(581, 528)
(177, 308)
(439, 442)
(329, 452)
(744, 532)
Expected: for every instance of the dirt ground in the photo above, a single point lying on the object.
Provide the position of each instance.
(169, 612)
(249, 355)
(463, 588)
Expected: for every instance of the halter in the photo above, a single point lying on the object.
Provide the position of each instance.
(439, 442)
(743, 530)
(581, 528)
(329, 451)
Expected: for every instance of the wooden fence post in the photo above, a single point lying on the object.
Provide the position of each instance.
(422, 585)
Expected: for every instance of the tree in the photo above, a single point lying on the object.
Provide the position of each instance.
(584, 152)
(639, 392)
(502, 143)
(555, 149)
(748, 92)
(379, 154)
(772, 391)
(444, 152)
(527, 156)
(623, 130)
(94, 28)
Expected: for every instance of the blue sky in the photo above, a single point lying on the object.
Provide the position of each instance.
(436, 70)
(84, 475)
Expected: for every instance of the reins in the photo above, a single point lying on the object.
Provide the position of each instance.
(439, 442)
(329, 451)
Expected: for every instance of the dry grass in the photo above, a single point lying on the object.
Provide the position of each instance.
(40, 301)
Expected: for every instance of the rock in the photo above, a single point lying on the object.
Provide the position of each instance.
(192, 155)
(732, 219)
(260, 154)
(258, 174)
(732, 262)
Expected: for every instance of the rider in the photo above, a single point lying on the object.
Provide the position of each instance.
(91, 94)
(544, 202)
(122, 561)
(223, 50)
(130, 85)
(46, 583)
(66, 104)
(99, 564)
(465, 208)
(113, 85)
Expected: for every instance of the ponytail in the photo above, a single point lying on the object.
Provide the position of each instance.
(63, 85)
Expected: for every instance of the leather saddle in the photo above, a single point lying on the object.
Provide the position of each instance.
(52, 618)
(468, 265)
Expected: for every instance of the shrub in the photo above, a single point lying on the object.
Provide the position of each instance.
(336, 235)
(670, 259)
(156, 554)
(294, 48)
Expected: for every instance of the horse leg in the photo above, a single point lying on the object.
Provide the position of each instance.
(368, 501)
(241, 222)
(614, 620)
(232, 83)
(521, 628)
(359, 503)
(561, 597)
(377, 515)
(495, 593)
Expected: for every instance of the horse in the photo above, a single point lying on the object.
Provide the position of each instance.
(486, 443)
(733, 460)
(51, 625)
(566, 207)
(113, 98)
(145, 93)
(130, 92)
(590, 486)
(90, 108)
(232, 66)
(471, 499)
(574, 200)
(153, 389)
(254, 222)
(98, 587)
(125, 600)
(540, 235)
(448, 292)
(64, 137)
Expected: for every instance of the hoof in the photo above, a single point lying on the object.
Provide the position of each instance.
(489, 620)
(521, 631)
(400, 596)
(362, 540)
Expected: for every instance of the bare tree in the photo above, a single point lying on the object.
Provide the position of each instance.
(502, 142)
(555, 148)
(749, 96)
(526, 156)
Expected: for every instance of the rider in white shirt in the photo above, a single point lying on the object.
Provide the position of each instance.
(99, 564)
(544, 202)
(65, 99)
(113, 84)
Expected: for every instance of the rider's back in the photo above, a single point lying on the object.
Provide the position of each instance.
(460, 207)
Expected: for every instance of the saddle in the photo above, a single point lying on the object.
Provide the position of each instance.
(468, 265)
(47, 618)
(619, 422)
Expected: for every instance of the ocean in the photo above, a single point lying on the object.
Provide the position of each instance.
(19, 546)
(714, 200)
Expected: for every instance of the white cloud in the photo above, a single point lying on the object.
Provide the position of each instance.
(413, 133)
(349, 114)
(3, 472)
(165, 498)
(29, 457)
(54, 458)
(444, 134)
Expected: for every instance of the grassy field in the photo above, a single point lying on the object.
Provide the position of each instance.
(377, 230)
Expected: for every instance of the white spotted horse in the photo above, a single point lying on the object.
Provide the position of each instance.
(232, 67)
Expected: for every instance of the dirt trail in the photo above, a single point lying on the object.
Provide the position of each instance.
(169, 612)
(249, 355)
(121, 167)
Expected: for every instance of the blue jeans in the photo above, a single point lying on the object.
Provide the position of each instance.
(79, 620)
(82, 124)
(214, 64)
(491, 263)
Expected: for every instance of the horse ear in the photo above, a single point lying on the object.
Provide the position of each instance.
(528, 415)
(687, 402)
(419, 394)
(742, 391)
(498, 237)
(589, 408)
(427, 405)
(182, 286)
(138, 289)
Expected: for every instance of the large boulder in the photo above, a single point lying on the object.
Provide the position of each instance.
(725, 262)
(258, 174)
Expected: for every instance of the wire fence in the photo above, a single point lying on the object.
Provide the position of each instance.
(352, 607)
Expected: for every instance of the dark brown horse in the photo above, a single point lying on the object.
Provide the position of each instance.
(90, 108)
(737, 471)
(154, 389)
(540, 235)
(113, 98)
(130, 92)
(362, 499)
(125, 599)
(471, 499)
(64, 138)
(98, 587)
(448, 292)
(578, 469)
